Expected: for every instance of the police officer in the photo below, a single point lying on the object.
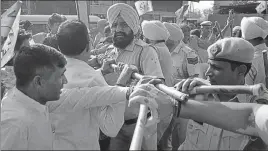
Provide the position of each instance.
(184, 58)
(254, 30)
(156, 34)
(229, 61)
(208, 35)
(129, 49)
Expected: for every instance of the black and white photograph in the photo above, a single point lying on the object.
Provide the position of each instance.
(134, 75)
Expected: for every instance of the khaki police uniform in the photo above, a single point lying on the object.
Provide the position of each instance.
(184, 61)
(251, 28)
(202, 136)
(144, 57)
(256, 74)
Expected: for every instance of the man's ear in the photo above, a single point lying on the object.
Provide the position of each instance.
(37, 81)
(242, 69)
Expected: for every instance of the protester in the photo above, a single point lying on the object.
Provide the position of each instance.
(156, 34)
(208, 34)
(186, 32)
(104, 43)
(25, 116)
(109, 118)
(193, 44)
(54, 22)
(51, 41)
(254, 30)
(130, 49)
(100, 27)
(26, 25)
(195, 32)
(230, 60)
(237, 32)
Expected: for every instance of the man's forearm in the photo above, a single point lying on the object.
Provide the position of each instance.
(226, 115)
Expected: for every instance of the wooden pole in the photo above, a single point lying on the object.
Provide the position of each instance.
(81, 9)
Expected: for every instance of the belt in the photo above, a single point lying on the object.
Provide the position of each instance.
(134, 120)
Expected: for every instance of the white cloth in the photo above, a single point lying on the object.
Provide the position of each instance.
(253, 27)
(175, 32)
(77, 128)
(25, 123)
(154, 30)
(261, 118)
(128, 13)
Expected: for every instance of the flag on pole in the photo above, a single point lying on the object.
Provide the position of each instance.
(143, 7)
(7, 51)
(181, 11)
(261, 7)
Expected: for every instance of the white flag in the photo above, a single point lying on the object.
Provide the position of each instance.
(143, 7)
(261, 7)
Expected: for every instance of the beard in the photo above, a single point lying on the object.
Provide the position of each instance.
(121, 40)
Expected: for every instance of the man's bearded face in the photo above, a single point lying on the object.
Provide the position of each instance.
(122, 33)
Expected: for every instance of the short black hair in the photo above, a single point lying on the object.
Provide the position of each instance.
(26, 24)
(29, 60)
(235, 64)
(72, 37)
(22, 35)
(195, 32)
(56, 18)
(51, 41)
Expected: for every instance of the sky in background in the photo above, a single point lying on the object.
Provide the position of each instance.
(203, 4)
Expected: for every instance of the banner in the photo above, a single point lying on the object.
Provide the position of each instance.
(180, 12)
(7, 51)
(143, 7)
(261, 7)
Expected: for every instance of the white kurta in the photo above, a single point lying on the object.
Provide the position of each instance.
(77, 126)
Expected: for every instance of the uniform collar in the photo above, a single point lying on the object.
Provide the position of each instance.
(27, 101)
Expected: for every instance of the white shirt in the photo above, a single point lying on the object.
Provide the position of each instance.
(78, 116)
(25, 123)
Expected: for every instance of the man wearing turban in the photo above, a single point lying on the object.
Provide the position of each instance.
(255, 30)
(185, 61)
(130, 49)
(156, 34)
(184, 58)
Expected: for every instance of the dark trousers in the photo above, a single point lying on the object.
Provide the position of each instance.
(104, 144)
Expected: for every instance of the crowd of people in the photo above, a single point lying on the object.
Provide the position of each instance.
(66, 95)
